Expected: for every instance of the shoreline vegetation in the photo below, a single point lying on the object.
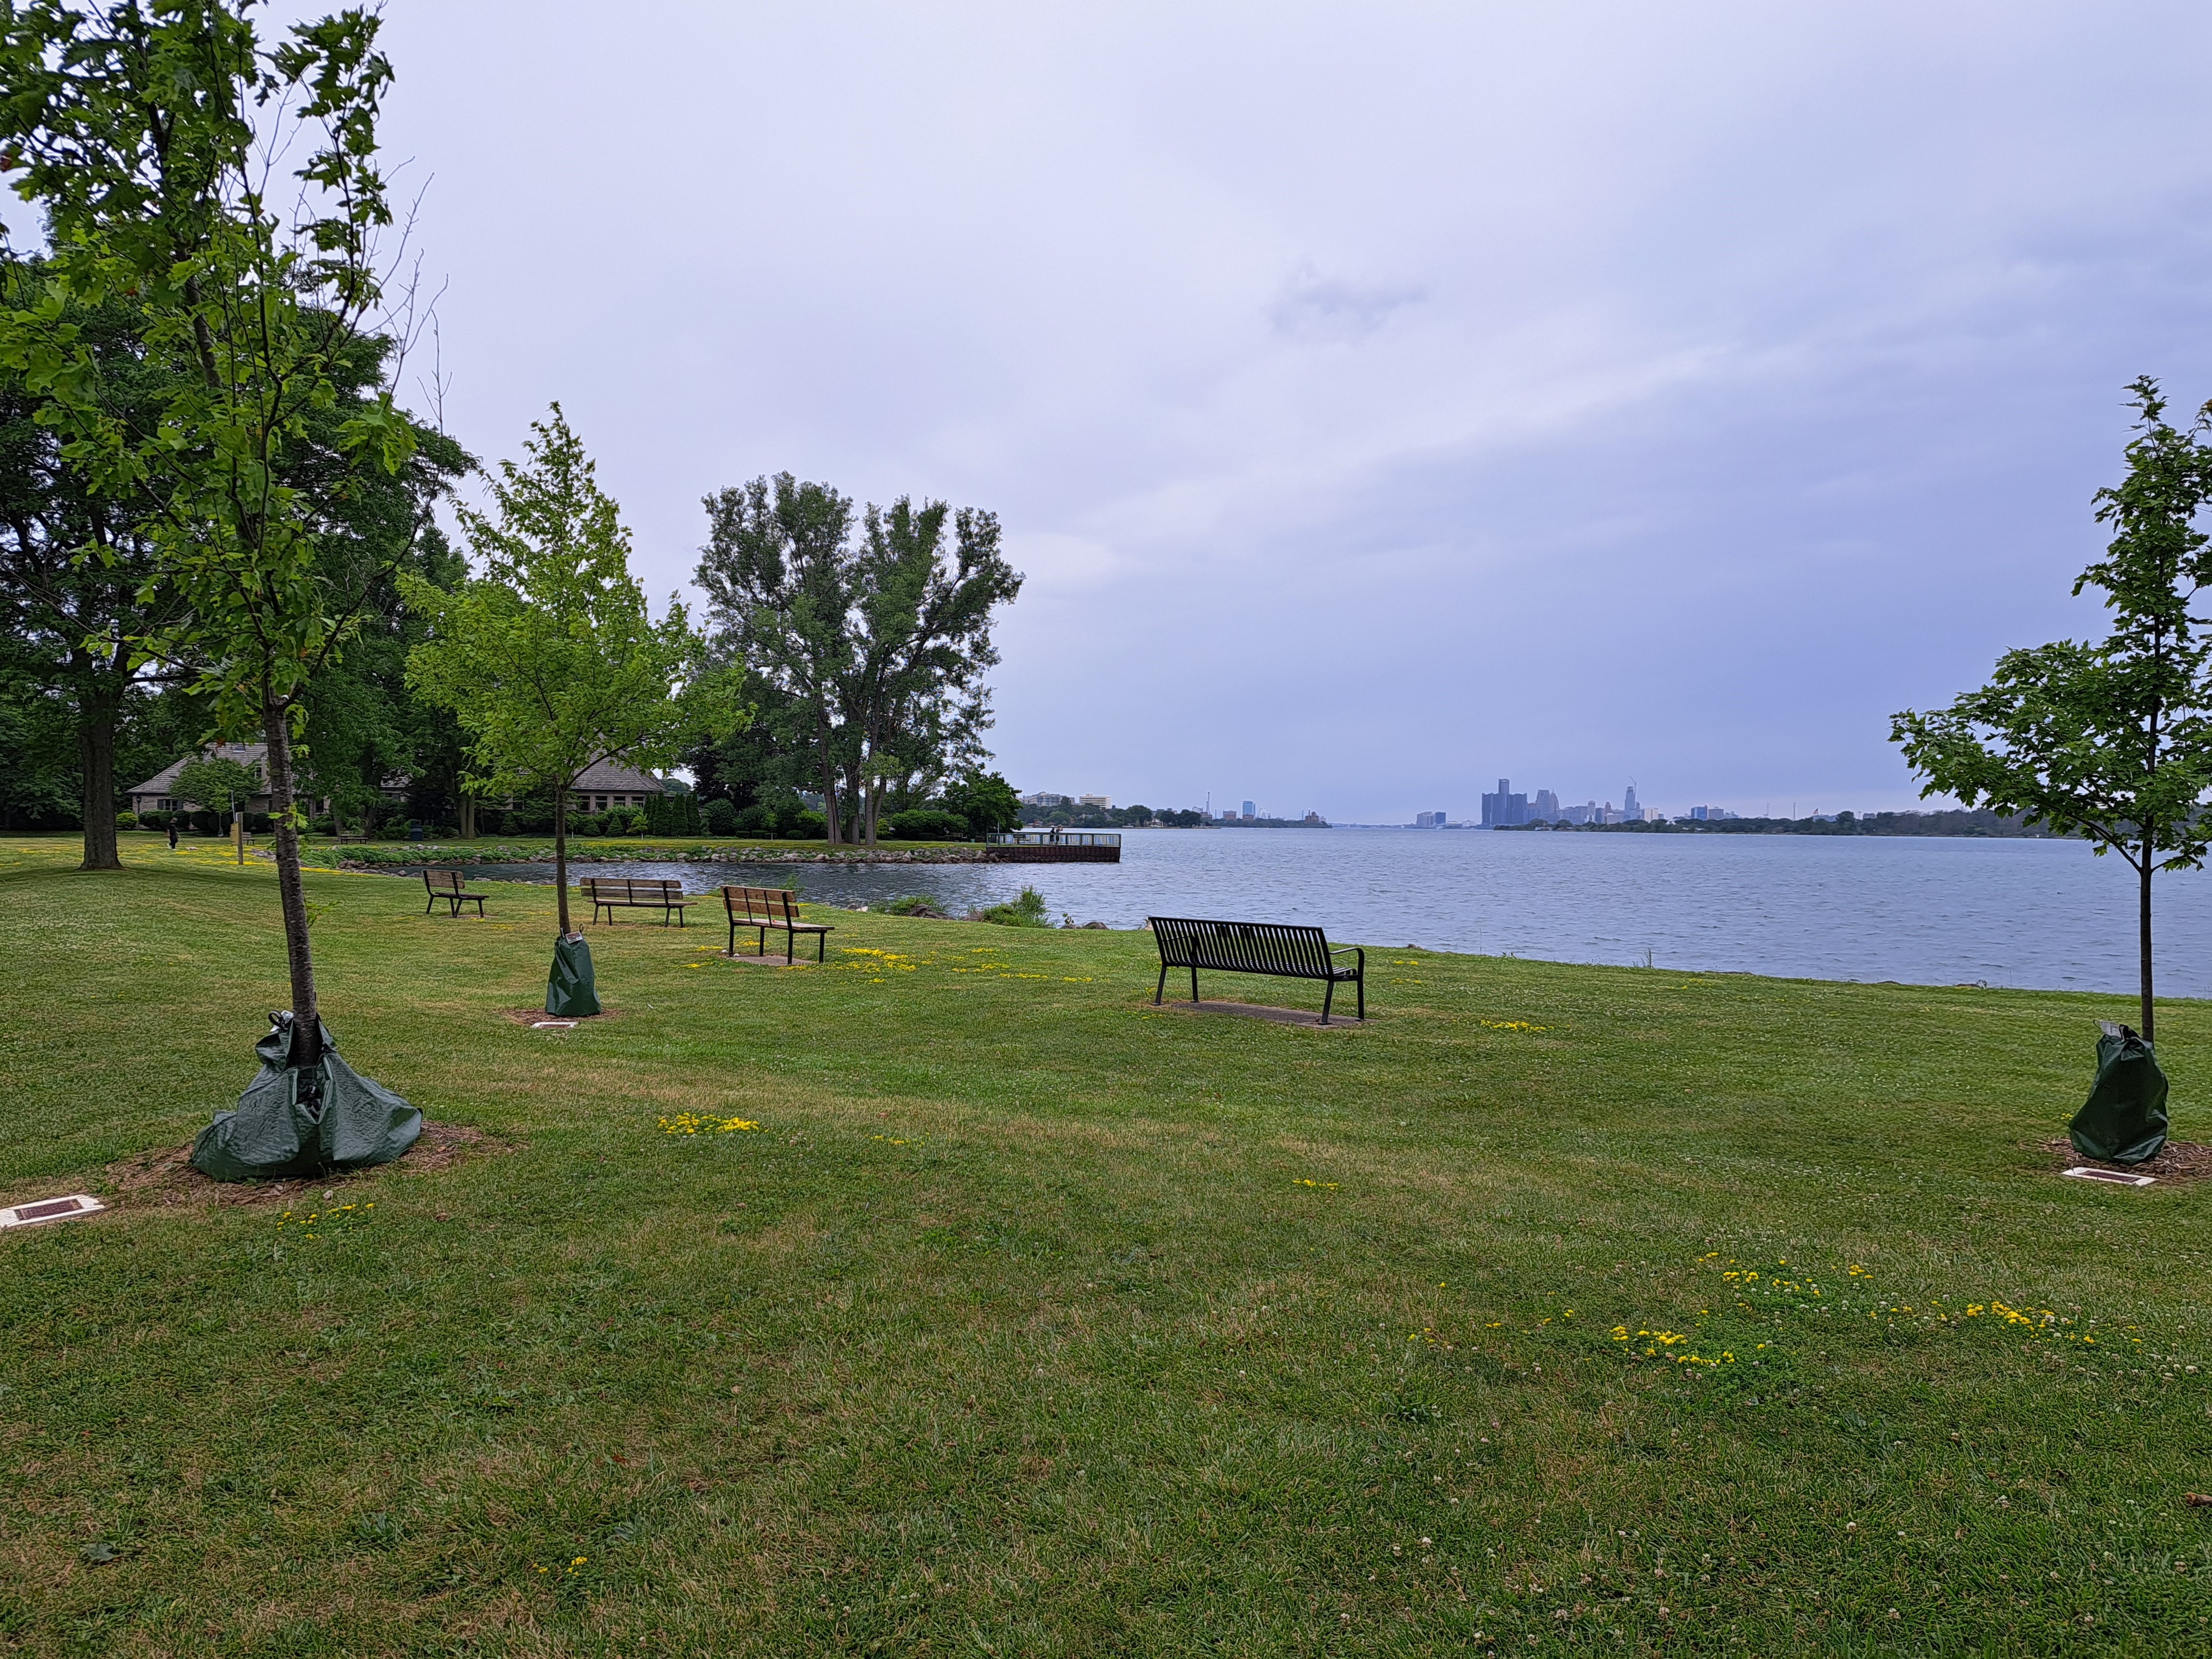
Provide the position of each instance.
(685, 850)
(1980, 822)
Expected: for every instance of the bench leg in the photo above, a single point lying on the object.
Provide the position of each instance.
(1328, 1002)
(479, 904)
(1161, 989)
(1193, 983)
(821, 947)
(431, 906)
(790, 947)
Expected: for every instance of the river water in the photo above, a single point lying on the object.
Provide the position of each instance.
(1925, 910)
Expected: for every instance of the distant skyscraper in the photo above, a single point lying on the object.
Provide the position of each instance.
(1249, 811)
(1543, 807)
(1503, 810)
(1629, 810)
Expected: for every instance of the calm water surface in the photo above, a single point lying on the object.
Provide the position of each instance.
(1925, 910)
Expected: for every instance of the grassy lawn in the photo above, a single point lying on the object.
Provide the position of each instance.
(1030, 1320)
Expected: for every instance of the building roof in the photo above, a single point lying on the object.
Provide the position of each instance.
(246, 754)
(608, 774)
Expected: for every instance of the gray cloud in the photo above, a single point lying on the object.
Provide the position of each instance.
(1384, 398)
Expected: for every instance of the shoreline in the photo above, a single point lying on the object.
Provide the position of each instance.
(410, 854)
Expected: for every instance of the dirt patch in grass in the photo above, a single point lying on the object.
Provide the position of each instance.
(166, 1179)
(2178, 1161)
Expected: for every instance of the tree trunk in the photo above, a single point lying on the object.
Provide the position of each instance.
(306, 1009)
(468, 817)
(95, 743)
(561, 851)
(2142, 925)
(829, 782)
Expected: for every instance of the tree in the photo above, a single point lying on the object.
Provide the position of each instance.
(213, 781)
(150, 135)
(2111, 740)
(777, 574)
(883, 643)
(77, 569)
(548, 658)
(987, 801)
(923, 643)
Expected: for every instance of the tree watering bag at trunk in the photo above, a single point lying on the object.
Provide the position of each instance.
(568, 988)
(2124, 1121)
(297, 1122)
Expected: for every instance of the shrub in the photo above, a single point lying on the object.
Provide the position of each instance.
(754, 820)
(126, 820)
(256, 823)
(206, 823)
(915, 905)
(1025, 911)
(925, 823)
(720, 817)
(808, 826)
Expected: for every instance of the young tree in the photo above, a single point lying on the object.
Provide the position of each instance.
(213, 781)
(2111, 740)
(548, 658)
(150, 135)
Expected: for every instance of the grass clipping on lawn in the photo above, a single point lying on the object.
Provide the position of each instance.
(948, 1298)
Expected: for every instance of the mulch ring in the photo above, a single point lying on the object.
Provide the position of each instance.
(2177, 1162)
(167, 1179)
(529, 1018)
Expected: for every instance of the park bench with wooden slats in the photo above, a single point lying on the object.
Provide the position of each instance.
(1281, 949)
(448, 884)
(772, 908)
(613, 893)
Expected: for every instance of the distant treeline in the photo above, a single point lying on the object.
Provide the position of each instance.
(1980, 821)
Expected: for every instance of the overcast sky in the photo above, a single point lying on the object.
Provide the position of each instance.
(1380, 399)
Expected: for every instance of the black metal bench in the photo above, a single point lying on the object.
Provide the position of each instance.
(612, 893)
(1281, 949)
(446, 884)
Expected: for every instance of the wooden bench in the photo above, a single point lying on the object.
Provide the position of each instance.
(613, 893)
(1284, 951)
(763, 908)
(446, 884)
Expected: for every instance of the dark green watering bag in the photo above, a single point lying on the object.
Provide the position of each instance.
(295, 1120)
(2124, 1121)
(568, 988)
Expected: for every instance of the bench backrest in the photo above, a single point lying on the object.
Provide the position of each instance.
(442, 881)
(753, 906)
(1267, 947)
(630, 889)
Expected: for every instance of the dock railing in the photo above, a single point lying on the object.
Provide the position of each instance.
(1056, 838)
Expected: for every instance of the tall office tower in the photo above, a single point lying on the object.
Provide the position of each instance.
(1629, 810)
(1543, 807)
(1248, 813)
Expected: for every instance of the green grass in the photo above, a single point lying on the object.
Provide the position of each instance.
(1033, 1321)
